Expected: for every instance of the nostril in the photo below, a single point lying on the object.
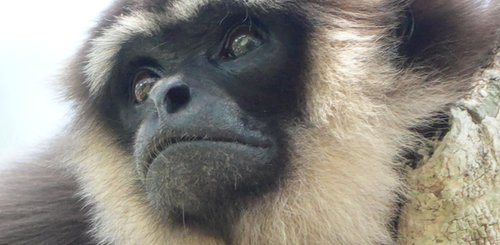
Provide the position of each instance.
(177, 97)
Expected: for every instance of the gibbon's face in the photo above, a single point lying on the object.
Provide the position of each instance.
(260, 121)
(203, 102)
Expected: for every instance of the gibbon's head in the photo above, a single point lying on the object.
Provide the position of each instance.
(257, 121)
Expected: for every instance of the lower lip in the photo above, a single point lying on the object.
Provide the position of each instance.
(188, 174)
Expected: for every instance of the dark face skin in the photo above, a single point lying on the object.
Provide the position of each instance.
(203, 105)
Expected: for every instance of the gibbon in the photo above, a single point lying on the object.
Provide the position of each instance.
(245, 121)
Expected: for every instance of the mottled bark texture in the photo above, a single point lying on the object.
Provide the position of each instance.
(454, 193)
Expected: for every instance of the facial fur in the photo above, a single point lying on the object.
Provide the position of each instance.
(338, 164)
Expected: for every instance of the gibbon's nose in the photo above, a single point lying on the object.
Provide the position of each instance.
(171, 96)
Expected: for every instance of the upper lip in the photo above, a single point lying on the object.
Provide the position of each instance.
(161, 143)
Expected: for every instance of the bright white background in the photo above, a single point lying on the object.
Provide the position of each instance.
(36, 39)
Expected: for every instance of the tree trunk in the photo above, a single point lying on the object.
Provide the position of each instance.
(454, 193)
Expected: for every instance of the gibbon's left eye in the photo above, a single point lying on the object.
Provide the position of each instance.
(143, 82)
(241, 41)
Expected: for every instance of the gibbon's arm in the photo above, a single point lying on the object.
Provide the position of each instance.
(39, 205)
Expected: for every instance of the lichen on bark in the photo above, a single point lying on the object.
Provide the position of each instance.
(454, 194)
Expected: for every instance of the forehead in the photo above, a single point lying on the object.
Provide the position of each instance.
(181, 9)
(187, 9)
(128, 19)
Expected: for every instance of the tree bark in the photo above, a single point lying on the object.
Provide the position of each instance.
(454, 193)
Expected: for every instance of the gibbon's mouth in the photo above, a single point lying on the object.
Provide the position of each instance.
(202, 174)
(166, 142)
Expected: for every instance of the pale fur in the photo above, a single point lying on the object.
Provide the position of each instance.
(104, 49)
(344, 185)
(119, 210)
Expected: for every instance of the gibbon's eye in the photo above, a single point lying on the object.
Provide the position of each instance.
(241, 41)
(143, 82)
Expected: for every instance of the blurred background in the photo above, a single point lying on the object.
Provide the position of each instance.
(36, 40)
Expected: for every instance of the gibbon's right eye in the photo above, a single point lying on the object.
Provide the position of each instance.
(143, 82)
